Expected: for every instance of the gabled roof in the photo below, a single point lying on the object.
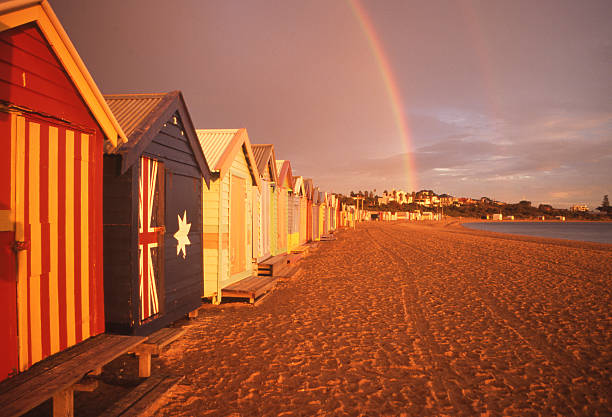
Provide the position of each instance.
(284, 173)
(142, 116)
(298, 186)
(221, 147)
(309, 187)
(264, 158)
(16, 13)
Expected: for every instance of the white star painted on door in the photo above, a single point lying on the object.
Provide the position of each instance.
(181, 235)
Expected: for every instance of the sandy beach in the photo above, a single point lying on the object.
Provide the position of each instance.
(410, 319)
(399, 319)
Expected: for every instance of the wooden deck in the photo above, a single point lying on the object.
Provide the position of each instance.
(302, 249)
(272, 266)
(250, 288)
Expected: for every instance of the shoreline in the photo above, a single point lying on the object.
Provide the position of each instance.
(457, 225)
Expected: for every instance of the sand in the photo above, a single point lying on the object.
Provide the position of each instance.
(410, 319)
(399, 318)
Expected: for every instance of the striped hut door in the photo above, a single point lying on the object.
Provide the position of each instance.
(8, 285)
(54, 214)
(150, 235)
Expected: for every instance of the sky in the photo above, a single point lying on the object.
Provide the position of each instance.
(506, 99)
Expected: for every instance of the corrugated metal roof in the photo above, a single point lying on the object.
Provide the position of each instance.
(214, 142)
(262, 154)
(131, 109)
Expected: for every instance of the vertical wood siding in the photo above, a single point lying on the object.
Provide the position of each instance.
(57, 285)
(216, 220)
(256, 242)
(211, 237)
(240, 169)
(9, 348)
(303, 219)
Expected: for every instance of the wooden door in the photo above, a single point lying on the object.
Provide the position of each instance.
(265, 219)
(150, 236)
(237, 225)
(54, 175)
(8, 285)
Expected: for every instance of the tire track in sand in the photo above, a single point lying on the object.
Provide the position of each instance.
(570, 368)
(442, 372)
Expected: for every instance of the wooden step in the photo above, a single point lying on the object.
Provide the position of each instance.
(143, 397)
(250, 288)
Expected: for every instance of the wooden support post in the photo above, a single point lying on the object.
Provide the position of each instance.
(63, 403)
(144, 365)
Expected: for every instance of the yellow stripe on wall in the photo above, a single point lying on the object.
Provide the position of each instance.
(13, 167)
(53, 241)
(35, 241)
(70, 306)
(22, 256)
(85, 234)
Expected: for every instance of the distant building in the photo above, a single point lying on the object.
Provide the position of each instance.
(579, 207)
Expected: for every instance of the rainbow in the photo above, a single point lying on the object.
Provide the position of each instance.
(390, 82)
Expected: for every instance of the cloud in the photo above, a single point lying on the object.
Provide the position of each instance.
(559, 159)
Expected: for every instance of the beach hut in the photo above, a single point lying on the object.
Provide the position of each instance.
(285, 181)
(300, 191)
(152, 214)
(322, 213)
(309, 189)
(227, 208)
(262, 208)
(316, 215)
(283, 187)
(54, 126)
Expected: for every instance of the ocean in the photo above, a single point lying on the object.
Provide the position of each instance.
(600, 232)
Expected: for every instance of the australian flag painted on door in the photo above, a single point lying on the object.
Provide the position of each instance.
(153, 215)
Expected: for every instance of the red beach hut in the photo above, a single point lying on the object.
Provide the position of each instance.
(54, 126)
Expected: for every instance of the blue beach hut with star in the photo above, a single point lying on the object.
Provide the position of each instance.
(152, 214)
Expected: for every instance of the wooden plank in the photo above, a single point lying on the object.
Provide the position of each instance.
(148, 401)
(144, 396)
(22, 397)
(50, 363)
(159, 339)
(165, 336)
(251, 287)
(274, 260)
